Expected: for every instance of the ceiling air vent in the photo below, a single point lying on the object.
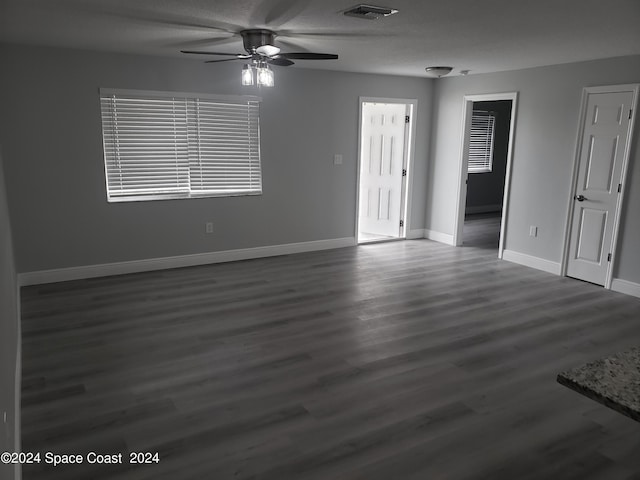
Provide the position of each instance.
(369, 11)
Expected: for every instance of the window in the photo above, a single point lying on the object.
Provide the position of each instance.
(481, 141)
(161, 145)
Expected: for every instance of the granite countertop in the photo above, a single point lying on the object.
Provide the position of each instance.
(613, 381)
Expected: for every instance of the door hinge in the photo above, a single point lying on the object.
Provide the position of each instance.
(404, 172)
(630, 113)
(609, 258)
(406, 119)
(402, 223)
(619, 187)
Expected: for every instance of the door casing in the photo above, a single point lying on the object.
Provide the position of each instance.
(467, 110)
(635, 88)
(408, 153)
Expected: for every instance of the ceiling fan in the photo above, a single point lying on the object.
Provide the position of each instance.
(259, 47)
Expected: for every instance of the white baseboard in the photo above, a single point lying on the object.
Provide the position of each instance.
(136, 266)
(483, 209)
(626, 287)
(415, 234)
(439, 237)
(531, 261)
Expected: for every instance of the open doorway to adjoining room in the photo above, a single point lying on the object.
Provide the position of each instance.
(485, 166)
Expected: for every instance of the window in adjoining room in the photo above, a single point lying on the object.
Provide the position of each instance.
(481, 141)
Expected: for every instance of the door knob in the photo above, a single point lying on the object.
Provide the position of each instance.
(580, 198)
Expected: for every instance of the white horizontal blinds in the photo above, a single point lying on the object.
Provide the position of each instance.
(157, 145)
(145, 145)
(481, 141)
(224, 147)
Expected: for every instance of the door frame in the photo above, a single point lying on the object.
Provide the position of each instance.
(408, 160)
(467, 110)
(635, 88)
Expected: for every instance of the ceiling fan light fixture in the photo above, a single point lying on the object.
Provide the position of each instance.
(265, 75)
(268, 50)
(437, 72)
(247, 75)
(260, 53)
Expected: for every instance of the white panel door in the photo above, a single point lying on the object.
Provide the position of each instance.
(602, 153)
(381, 166)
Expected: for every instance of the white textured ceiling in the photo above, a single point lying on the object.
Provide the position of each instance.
(481, 36)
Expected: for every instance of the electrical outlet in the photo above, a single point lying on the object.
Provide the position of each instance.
(208, 227)
(337, 159)
(533, 231)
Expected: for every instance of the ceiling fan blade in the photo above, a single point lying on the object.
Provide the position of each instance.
(298, 34)
(209, 42)
(199, 52)
(309, 56)
(224, 60)
(280, 61)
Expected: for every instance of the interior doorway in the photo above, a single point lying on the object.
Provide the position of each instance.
(384, 169)
(485, 169)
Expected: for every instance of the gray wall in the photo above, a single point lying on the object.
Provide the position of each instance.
(9, 332)
(486, 189)
(545, 137)
(50, 128)
(50, 131)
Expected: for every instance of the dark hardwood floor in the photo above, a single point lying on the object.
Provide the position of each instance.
(482, 230)
(403, 360)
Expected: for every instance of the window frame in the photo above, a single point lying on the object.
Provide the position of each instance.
(183, 96)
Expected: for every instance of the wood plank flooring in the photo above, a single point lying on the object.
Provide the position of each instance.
(482, 230)
(403, 360)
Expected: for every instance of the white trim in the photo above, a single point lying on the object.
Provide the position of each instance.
(483, 209)
(635, 89)
(467, 109)
(439, 237)
(415, 234)
(356, 223)
(626, 287)
(531, 261)
(412, 103)
(146, 265)
(463, 174)
(623, 177)
(411, 144)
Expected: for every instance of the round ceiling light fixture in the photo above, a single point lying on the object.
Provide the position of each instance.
(437, 72)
